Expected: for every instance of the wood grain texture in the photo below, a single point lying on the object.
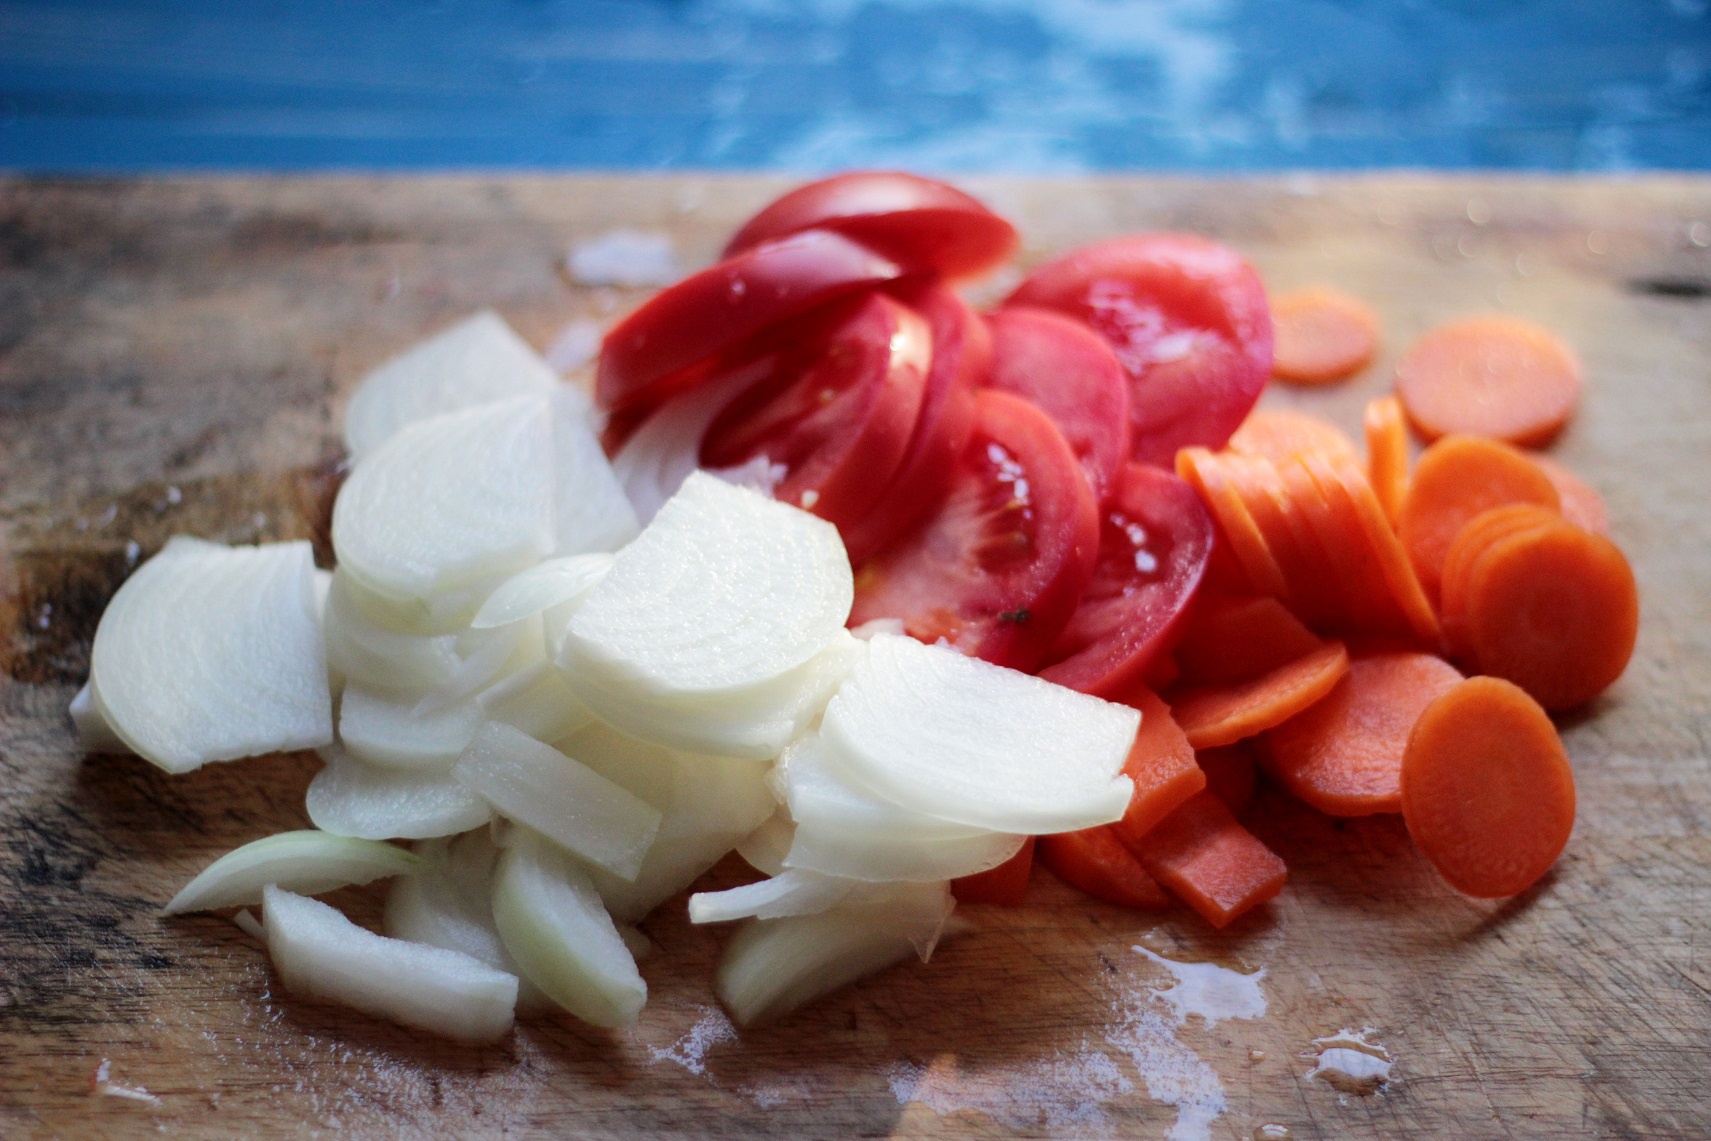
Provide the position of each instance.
(173, 356)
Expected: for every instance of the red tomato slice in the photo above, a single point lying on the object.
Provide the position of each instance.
(962, 356)
(724, 305)
(996, 571)
(1070, 374)
(837, 414)
(1188, 320)
(922, 225)
(1155, 540)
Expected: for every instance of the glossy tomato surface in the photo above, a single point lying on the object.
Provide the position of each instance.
(835, 419)
(1155, 540)
(1188, 319)
(724, 305)
(999, 566)
(922, 225)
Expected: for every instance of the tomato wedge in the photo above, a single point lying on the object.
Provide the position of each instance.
(837, 414)
(1189, 321)
(997, 570)
(1154, 542)
(1070, 373)
(922, 225)
(962, 357)
(722, 306)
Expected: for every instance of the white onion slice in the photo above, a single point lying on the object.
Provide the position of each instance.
(542, 587)
(773, 966)
(388, 730)
(954, 737)
(537, 701)
(479, 360)
(351, 798)
(457, 500)
(446, 612)
(820, 796)
(791, 892)
(765, 847)
(591, 512)
(94, 735)
(488, 657)
(724, 591)
(830, 850)
(566, 801)
(370, 654)
(304, 862)
(557, 930)
(214, 653)
(322, 955)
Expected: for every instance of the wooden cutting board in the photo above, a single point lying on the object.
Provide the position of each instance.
(173, 358)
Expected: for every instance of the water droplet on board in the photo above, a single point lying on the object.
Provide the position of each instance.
(1272, 1131)
(1699, 234)
(1478, 211)
(1256, 1055)
(1348, 1061)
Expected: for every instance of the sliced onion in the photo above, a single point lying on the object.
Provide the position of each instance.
(378, 657)
(830, 850)
(954, 737)
(385, 729)
(305, 862)
(479, 360)
(568, 802)
(94, 735)
(351, 798)
(487, 657)
(820, 796)
(542, 587)
(765, 847)
(557, 930)
(791, 892)
(213, 653)
(591, 512)
(536, 700)
(322, 955)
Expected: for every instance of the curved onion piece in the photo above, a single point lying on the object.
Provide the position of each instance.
(566, 801)
(819, 796)
(773, 966)
(372, 656)
(978, 744)
(305, 862)
(557, 930)
(479, 360)
(389, 731)
(833, 851)
(791, 892)
(764, 848)
(94, 735)
(725, 590)
(591, 512)
(322, 955)
(537, 701)
(488, 657)
(446, 612)
(350, 798)
(450, 501)
(542, 587)
(214, 653)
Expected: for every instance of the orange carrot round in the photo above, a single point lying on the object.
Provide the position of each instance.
(1343, 755)
(1233, 639)
(1398, 572)
(1277, 434)
(1320, 336)
(1387, 453)
(1474, 540)
(1096, 862)
(1491, 375)
(1209, 475)
(1487, 790)
(1203, 855)
(1581, 503)
(1225, 714)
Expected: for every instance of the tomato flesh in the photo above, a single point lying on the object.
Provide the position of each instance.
(643, 357)
(1155, 541)
(998, 568)
(837, 414)
(1069, 373)
(1187, 318)
(922, 225)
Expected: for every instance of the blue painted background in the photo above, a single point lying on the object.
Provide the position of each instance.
(947, 85)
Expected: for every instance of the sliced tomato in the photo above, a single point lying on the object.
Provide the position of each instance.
(643, 357)
(998, 568)
(835, 419)
(1189, 321)
(962, 357)
(1154, 543)
(1070, 373)
(922, 225)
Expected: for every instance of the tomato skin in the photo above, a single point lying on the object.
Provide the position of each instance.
(643, 357)
(838, 413)
(1070, 374)
(1129, 615)
(998, 568)
(1188, 319)
(962, 357)
(922, 225)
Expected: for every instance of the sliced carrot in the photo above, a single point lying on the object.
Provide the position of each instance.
(1553, 609)
(1230, 775)
(1457, 478)
(1160, 763)
(1376, 609)
(1004, 885)
(1492, 375)
(1320, 336)
(1387, 453)
(1225, 714)
(1343, 755)
(1276, 434)
(1581, 503)
(1209, 475)
(1096, 862)
(1232, 639)
(1321, 587)
(1472, 541)
(1354, 603)
(1487, 790)
(1209, 861)
(1301, 589)
(1381, 541)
